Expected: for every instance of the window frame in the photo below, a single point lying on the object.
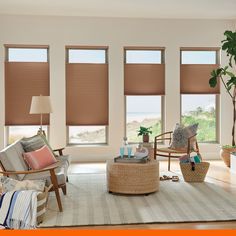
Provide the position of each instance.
(217, 96)
(11, 46)
(136, 48)
(105, 48)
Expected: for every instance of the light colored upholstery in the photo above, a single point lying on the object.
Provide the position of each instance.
(60, 173)
(12, 159)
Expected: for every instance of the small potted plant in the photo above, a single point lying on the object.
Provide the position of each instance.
(228, 79)
(145, 131)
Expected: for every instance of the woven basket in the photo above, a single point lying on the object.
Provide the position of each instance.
(198, 175)
(42, 199)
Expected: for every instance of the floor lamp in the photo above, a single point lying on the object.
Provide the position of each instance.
(40, 105)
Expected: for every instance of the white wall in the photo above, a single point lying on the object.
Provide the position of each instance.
(115, 33)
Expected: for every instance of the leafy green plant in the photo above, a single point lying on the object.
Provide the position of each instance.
(144, 130)
(226, 75)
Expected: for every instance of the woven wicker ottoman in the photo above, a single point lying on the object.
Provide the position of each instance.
(132, 178)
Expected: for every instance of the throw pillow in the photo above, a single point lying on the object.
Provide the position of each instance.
(40, 158)
(181, 135)
(9, 184)
(32, 143)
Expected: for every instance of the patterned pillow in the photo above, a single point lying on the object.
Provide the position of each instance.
(181, 135)
(9, 184)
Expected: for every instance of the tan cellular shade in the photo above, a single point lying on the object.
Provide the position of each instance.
(22, 81)
(144, 79)
(194, 79)
(86, 94)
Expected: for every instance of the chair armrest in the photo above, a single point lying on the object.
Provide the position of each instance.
(51, 167)
(161, 137)
(59, 150)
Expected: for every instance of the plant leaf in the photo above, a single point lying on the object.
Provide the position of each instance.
(213, 82)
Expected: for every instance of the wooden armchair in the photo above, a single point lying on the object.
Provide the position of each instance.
(192, 146)
(53, 177)
(13, 165)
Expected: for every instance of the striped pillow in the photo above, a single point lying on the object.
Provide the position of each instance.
(32, 143)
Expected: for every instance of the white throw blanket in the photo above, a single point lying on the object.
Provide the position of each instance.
(18, 209)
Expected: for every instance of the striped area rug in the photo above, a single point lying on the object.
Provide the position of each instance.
(88, 203)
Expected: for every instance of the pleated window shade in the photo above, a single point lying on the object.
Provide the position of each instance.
(22, 81)
(194, 78)
(87, 93)
(144, 75)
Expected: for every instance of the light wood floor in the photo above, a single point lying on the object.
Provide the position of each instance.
(218, 174)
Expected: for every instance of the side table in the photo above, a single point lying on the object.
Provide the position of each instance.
(132, 178)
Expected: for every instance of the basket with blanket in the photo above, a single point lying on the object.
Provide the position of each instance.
(22, 203)
(193, 168)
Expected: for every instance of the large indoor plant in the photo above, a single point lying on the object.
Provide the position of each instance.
(145, 131)
(227, 76)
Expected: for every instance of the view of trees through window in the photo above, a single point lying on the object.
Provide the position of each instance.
(200, 109)
(142, 111)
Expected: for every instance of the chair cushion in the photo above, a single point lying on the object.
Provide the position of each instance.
(32, 143)
(12, 160)
(169, 150)
(40, 158)
(181, 135)
(60, 174)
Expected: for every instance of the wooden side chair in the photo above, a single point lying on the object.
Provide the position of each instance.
(192, 146)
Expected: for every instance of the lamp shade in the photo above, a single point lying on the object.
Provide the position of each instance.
(40, 105)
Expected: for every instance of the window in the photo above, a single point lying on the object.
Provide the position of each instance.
(144, 89)
(199, 102)
(17, 132)
(87, 134)
(26, 75)
(199, 57)
(87, 95)
(87, 56)
(143, 56)
(28, 54)
(143, 111)
(201, 109)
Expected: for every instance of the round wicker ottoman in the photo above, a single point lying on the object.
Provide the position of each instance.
(132, 178)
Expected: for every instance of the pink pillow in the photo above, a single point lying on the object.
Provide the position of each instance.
(40, 158)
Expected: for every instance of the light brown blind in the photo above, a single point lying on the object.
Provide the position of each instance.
(194, 79)
(144, 79)
(22, 81)
(86, 94)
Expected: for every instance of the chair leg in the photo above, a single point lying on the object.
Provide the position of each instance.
(55, 187)
(63, 188)
(169, 163)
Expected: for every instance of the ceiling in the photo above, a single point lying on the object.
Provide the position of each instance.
(161, 9)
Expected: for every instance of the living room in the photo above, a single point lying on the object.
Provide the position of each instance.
(117, 27)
